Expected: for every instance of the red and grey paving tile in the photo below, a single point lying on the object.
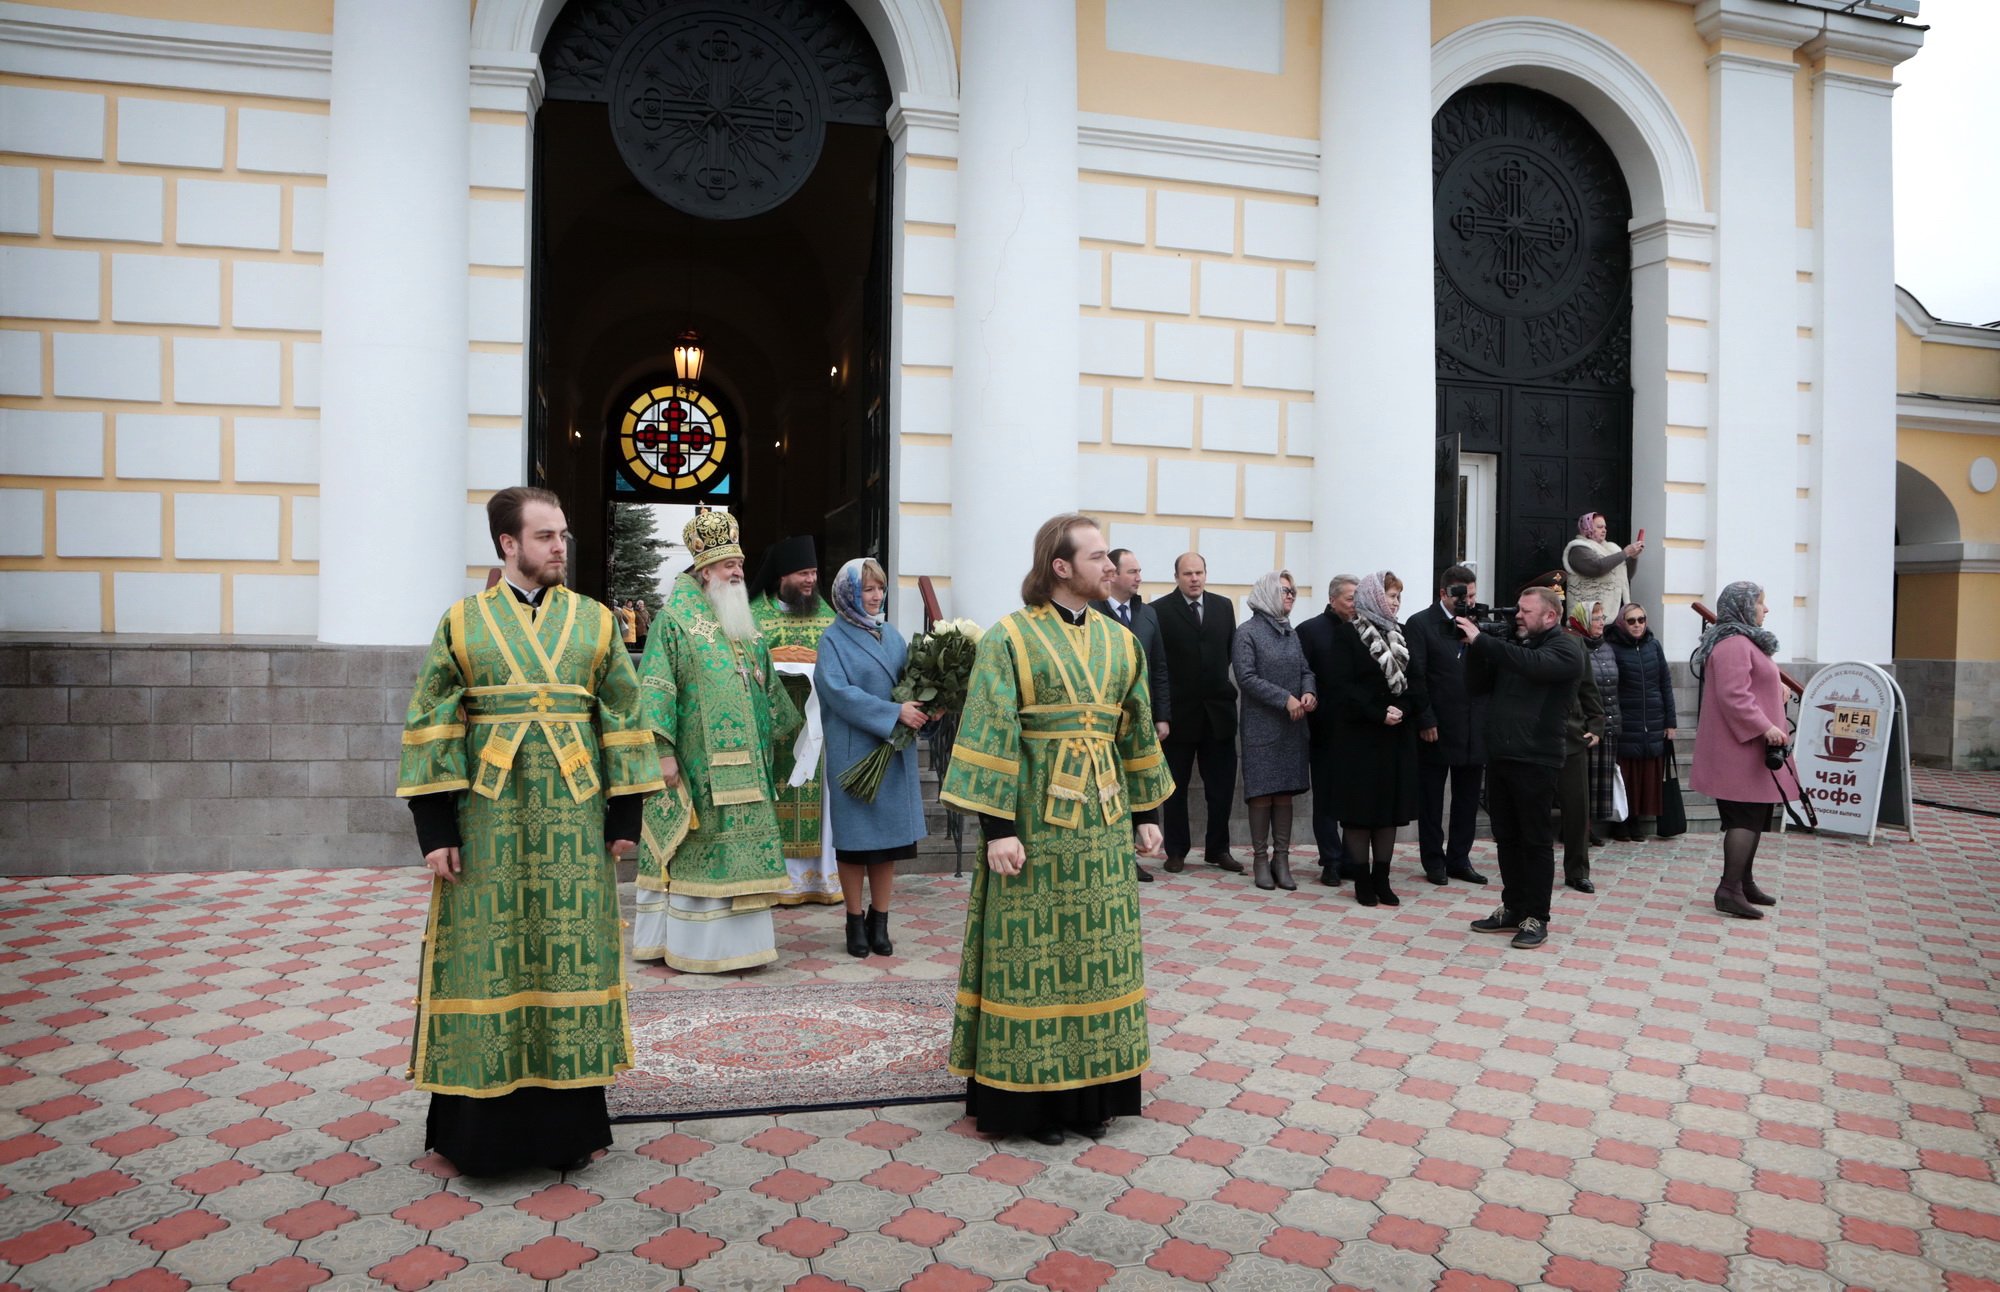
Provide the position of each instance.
(201, 1087)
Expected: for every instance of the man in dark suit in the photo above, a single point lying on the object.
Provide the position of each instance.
(1197, 628)
(1125, 606)
(1316, 642)
(1451, 730)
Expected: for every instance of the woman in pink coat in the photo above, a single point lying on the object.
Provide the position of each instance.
(1742, 717)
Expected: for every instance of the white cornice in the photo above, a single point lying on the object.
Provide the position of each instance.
(1759, 20)
(39, 41)
(1942, 413)
(1868, 40)
(1859, 84)
(1948, 558)
(1926, 326)
(506, 81)
(1201, 154)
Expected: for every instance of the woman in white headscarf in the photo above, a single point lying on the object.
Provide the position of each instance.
(1374, 697)
(1276, 691)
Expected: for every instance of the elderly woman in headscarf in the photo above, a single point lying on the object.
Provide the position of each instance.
(1742, 719)
(1277, 691)
(1589, 748)
(1374, 697)
(860, 658)
(1599, 569)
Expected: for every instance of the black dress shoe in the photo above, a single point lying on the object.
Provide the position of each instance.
(1050, 1135)
(1224, 862)
(1145, 876)
(1437, 877)
(1596, 840)
(1093, 1132)
(1175, 864)
(1466, 874)
(1581, 885)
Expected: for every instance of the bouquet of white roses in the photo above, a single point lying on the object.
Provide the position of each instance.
(935, 676)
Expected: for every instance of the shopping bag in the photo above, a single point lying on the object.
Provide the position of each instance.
(1673, 812)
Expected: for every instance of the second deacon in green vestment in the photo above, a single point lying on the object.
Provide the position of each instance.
(792, 616)
(711, 863)
(525, 757)
(1058, 755)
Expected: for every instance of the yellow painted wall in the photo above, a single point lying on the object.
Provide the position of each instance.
(1927, 616)
(1162, 89)
(1946, 458)
(1657, 35)
(278, 15)
(1944, 367)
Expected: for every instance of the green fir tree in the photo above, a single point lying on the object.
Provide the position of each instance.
(636, 553)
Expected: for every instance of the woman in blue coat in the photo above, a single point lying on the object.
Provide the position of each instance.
(860, 658)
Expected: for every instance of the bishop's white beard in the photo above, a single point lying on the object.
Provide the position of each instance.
(731, 603)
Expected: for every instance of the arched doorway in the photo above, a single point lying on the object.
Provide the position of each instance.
(720, 167)
(1533, 297)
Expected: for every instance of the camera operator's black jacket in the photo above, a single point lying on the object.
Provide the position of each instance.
(1530, 685)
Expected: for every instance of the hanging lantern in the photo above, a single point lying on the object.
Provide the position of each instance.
(688, 356)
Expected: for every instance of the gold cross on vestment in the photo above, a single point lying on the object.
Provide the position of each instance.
(542, 702)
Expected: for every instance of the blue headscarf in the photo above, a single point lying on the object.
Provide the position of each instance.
(847, 586)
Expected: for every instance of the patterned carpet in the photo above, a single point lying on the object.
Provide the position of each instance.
(787, 1049)
(200, 1085)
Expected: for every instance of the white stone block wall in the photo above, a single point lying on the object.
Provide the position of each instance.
(1197, 374)
(159, 327)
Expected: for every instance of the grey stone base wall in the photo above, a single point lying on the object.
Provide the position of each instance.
(1954, 712)
(120, 754)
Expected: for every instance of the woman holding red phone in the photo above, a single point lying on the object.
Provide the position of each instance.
(1600, 570)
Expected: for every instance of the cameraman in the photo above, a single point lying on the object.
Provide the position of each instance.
(1451, 730)
(1530, 685)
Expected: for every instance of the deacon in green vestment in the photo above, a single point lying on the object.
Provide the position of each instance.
(792, 616)
(525, 759)
(1057, 754)
(711, 863)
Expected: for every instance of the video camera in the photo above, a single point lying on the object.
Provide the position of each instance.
(1488, 619)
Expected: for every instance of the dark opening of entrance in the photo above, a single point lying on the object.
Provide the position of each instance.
(763, 120)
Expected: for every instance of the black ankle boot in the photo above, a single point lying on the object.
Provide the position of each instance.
(857, 935)
(1378, 878)
(878, 933)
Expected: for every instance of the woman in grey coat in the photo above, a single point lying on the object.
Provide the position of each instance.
(1277, 691)
(860, 658)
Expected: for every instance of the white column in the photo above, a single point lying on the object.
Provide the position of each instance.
(393, 417)
(1854, 483)
(1753, 384)
(1374, 366)
(1014, 371)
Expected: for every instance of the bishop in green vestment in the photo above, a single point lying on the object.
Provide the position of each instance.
(711, 862)
(1057, 754)
(525, 757)
(792, 616)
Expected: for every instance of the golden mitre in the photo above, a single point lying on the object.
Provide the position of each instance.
(711, 537)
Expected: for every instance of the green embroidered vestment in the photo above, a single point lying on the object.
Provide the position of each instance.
(534, 717)
(1057, 736)
(723, 712)
(794, 639)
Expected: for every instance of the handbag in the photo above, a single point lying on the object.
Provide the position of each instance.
(1673, 812)
(1621, 807)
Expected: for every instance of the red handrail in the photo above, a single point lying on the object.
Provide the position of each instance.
(932, 611)
(1792, 684)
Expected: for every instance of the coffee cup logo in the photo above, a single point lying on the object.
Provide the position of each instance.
(1844, 749)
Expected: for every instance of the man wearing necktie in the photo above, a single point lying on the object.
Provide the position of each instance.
(1197, 628)
(1125, 606)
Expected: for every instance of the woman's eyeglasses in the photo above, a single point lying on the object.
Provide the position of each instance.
(1635, 620)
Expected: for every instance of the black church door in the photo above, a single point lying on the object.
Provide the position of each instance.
(1534, 313)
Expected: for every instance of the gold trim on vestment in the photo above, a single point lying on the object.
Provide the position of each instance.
(686, 965)
(458, 643)
(735, 888)
(527, 1000)
(623, 739)
(971, 805)
(1145, 763)
(1153, 803)
(529, 688)
(607, 633)
(974, 1001)
(988, 761)
(1024, 674)
(1037, 1087)
(496, 719)
(653, 786)
(425, 735)
(747, 794)
(730, 758)
(435, 787)
(545, 1083)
